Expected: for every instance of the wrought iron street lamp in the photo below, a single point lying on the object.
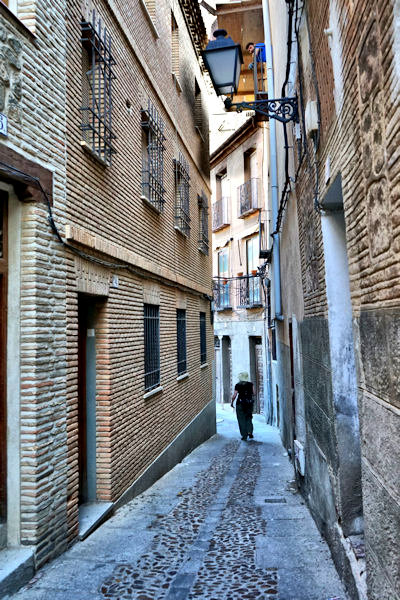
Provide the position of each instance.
(223, 60)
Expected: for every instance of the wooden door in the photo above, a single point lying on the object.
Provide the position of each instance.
(3, 356)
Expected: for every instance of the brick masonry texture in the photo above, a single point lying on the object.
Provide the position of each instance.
(359, 136)
(41, 90)
(104, 204)
(33, 88)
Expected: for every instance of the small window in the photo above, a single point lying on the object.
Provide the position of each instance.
(181, 340)
(97, 78)
(273, 343)
(175, 47)
(182, 195)
(203, 224)
(203, 338)
(153, 157)
(151, 346)
(198, 110)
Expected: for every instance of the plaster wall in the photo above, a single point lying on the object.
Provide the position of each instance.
(239, 333)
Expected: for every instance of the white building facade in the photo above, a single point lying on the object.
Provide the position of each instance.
(239, 179)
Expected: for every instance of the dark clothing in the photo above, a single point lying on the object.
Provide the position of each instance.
(244, 408)
(245, 391)
(245, 420)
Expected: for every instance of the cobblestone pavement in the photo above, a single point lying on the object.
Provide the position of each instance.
(225, 524)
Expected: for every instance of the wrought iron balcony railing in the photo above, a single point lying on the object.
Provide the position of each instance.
(248, 292)
(248, 198)
(220, 214)
(222, 294)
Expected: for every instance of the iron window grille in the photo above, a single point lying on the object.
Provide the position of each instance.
(153, 157)
(203, 224)
(182, 195)
(151, 346)
(203, 338)
(181, 340)
(98, 75)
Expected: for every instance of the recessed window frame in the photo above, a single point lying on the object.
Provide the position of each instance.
(182, 195)
(181, 341)
(203, 338)
(204, 243)
(152, 371)
(97, 78)
(153, 138)
(175, 49)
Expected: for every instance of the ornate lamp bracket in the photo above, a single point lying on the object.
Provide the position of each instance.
(281, 109)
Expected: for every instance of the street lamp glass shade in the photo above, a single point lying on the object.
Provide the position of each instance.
(223, 60)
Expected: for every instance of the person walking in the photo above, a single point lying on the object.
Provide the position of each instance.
(244, 393)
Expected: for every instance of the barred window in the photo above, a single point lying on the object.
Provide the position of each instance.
(97, 66)
(203, 223)
(181, 340)
(182, 195)
(151, 346)
(203, 338)
(153, 157)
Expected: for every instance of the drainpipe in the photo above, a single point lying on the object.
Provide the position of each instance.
(273, 165)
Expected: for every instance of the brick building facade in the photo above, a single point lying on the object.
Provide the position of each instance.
(335, 373)
(110, 355)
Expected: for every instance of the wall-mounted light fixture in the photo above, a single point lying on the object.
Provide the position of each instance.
(223, 60)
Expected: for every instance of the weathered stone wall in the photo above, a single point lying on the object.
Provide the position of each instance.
(353, 69)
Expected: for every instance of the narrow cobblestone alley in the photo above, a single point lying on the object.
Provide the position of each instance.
(225, 524)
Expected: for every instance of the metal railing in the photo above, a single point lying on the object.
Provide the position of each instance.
(220, 214)
(248, 198)
(248, 291)
(222, 294)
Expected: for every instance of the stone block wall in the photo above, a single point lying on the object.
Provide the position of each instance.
(354, 73)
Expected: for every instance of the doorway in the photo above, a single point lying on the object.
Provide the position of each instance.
(87, 398)
(343, 367)
(3, 366)
(256, 372)
(226, 368)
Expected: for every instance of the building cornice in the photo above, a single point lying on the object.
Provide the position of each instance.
(143, 266)
(233, 141)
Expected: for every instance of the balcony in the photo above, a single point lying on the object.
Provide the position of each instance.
(248, 292)
(220, 214)
(249, 200)
(222, 294)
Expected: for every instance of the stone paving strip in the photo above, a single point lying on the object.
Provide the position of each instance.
(157, 574)
(225, 524)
